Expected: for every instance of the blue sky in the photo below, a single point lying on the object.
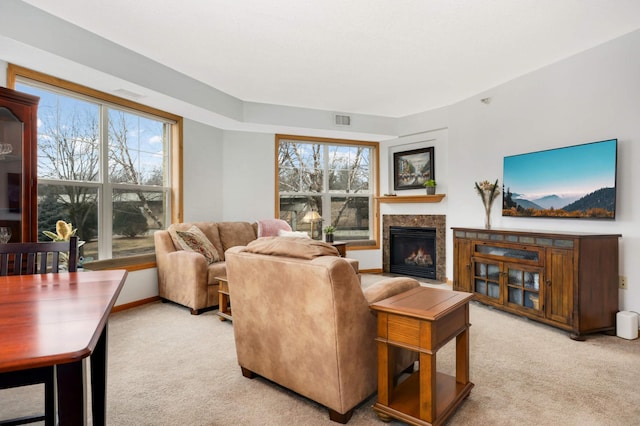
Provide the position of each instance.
(569, 171)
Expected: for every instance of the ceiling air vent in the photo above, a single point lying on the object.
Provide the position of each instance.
(342, 120)
(128, 94)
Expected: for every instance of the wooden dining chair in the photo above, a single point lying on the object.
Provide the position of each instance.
(38, 258)
(27, 259)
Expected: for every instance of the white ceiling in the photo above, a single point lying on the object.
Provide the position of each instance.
(381, 57)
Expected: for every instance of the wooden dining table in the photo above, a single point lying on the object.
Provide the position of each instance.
(61, 320)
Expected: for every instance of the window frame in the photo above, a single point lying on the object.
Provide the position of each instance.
(175, 184)
(375, 185)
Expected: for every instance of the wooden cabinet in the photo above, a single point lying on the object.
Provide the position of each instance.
(18, 164)
(568, 280)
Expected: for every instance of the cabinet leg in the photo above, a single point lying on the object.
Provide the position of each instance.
(382, 416)
(577, 337)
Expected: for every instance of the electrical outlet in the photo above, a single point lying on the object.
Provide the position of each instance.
(622, 282)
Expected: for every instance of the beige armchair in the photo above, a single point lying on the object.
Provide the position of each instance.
(302, 320)
(187, 277)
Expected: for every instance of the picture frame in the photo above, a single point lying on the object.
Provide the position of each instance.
(412, 168)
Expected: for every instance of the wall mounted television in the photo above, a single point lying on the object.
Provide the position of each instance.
(571, 182)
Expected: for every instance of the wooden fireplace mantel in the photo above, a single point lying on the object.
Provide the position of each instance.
(436, 198)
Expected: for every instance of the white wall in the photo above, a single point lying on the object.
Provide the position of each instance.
(249, 176)
(139, 285)
(202, 173)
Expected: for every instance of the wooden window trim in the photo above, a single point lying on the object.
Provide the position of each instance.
(376, 177)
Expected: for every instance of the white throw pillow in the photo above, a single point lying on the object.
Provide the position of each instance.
(297, 234)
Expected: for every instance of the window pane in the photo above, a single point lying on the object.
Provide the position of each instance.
(68, 136)
(136, 216)
(350, 216)
(294, 208)
(349, 169)
(136, 149)
(75, 204)
(301, 167)
(289, 179)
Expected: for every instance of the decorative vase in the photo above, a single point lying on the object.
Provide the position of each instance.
(431, 190)
(487, 218)
(328, 238)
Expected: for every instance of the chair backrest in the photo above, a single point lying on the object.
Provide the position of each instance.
(33, 258)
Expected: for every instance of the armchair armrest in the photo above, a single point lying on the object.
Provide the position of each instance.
(187, 259)
(389, 287)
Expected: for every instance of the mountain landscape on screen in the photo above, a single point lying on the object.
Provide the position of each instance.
(572, 182)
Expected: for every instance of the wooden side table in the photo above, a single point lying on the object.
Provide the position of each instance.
(341, 246)
(224, 305)
(422, 320)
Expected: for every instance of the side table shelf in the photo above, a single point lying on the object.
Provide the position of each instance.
(224, 302)
(422, 320)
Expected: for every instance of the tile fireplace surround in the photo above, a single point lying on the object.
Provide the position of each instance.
(422, 221)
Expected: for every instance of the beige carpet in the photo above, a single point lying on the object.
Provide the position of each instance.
(167, 367)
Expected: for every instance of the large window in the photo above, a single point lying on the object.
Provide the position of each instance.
(104, 166)
(324, 182)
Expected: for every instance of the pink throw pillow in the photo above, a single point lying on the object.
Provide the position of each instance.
(270, 227)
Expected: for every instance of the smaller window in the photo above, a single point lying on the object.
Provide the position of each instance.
(324, 182)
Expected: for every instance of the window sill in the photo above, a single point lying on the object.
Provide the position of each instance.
(130, 263)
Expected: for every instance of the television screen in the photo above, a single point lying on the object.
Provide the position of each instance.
(571, 182)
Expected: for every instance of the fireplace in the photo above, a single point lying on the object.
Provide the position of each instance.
(412, 251)
(435, 223)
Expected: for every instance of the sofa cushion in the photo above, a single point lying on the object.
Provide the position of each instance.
(303, 248)
(236, 234)
(214, 270)
(194, 239)
(271, 227)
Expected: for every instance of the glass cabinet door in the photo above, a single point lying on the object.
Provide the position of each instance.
(486, 279)
(523, 287)
(11, 175)
(18, 165)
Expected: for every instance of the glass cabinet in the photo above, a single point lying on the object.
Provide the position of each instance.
(504, 281)
(522, 285)
(18, 167)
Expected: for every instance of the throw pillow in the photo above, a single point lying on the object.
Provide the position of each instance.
(194, 239)
(270, 227)
(299, 234)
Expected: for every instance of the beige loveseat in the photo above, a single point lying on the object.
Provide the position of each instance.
(187, 277)
(302, 320)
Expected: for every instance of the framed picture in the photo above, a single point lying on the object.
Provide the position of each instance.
(412, 168)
